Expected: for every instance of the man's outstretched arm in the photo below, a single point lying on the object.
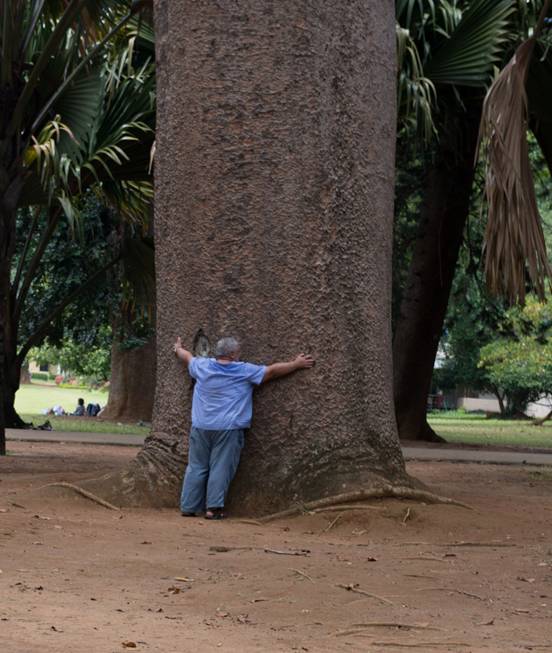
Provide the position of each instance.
(277, 370)
(182, 353)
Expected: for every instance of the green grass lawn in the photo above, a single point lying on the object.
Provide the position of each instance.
(454, 426)
(470, 428)
(32, 399)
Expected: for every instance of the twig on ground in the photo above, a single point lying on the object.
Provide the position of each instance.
(353, 588)
(85, 493)
(427, 558)
(406, 516)
(450, 589)
(383, 492)
(490, 544)
(251, 522)
(226, 549)
(302, 573)
(420, 576)
(420, 644)
(299, 552)
(332, 523)
(358, 628)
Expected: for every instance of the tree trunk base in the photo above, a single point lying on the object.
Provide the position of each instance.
(154, 480)
(429, 435)
(541, 420)
(423, 434)
(13, 421)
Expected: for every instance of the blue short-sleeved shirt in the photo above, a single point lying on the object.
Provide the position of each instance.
(223, 393)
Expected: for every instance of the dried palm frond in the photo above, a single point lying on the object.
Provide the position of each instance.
(515, 250)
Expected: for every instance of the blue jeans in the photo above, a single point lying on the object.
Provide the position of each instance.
(213, 459)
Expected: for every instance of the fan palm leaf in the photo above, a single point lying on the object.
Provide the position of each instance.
(514, 241)
(450, 43)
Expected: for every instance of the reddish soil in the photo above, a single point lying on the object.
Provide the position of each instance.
(78, 577)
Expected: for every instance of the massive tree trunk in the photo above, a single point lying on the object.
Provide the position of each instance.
(274, 206)
(426, 295)
(132, 385)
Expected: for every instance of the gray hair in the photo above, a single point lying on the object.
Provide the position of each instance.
(226, 347)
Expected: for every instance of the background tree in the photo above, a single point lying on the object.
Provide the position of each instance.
(520, 362)
(449, 50)
(475, 317)
(77, 118)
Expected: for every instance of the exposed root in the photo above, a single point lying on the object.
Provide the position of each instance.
(344, 507)
(85, 493)
(384, 492)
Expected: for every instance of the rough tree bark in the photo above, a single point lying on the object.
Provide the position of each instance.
(274, 208)
(132, 385)
(424, 305)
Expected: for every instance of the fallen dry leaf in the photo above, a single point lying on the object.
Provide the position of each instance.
(129, 644)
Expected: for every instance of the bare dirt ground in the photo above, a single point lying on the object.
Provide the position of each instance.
(78, 577)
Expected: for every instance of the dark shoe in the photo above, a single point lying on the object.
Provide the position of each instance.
(214, 513)
(188, 514)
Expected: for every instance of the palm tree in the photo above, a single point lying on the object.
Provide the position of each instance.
(448, 53)
(77, 115)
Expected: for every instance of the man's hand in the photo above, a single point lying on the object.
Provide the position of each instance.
(277, 370)
(303, 361)
(182, 353)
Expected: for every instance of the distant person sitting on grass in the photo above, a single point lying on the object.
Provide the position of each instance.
(57, 410)
(222, 406)
(79, 410)
(93, 409)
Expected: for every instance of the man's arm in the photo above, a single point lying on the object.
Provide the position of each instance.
(182, 353)
(277, 370)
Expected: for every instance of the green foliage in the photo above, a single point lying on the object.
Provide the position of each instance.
(91, 363)
(67, 263)
(77, 93)
(521, 363)
(40, 376)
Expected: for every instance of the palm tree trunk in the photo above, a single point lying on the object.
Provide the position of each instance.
(274, 206)
(424, 305)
